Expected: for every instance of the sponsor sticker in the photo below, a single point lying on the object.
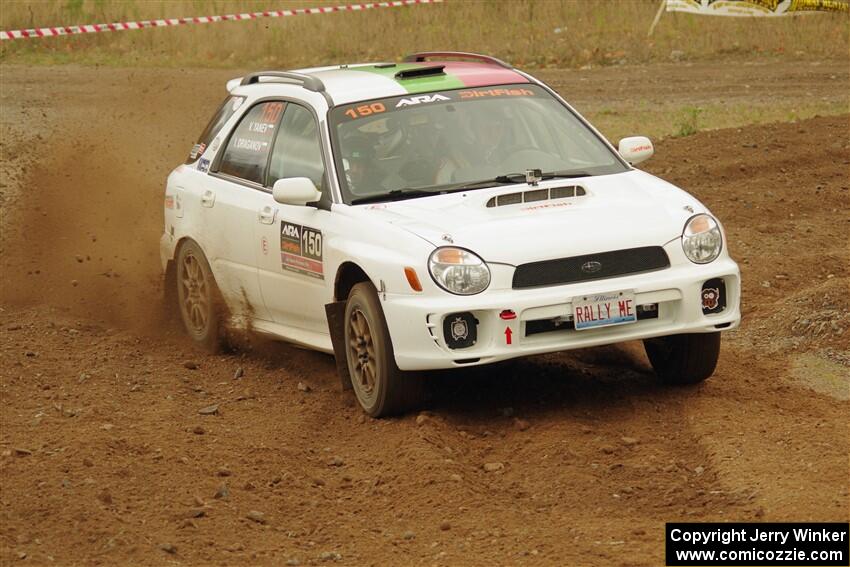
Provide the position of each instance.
(301, 249)
(421, 99)
(477, 93)
(203, 165)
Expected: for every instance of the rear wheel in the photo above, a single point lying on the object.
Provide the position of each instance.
(198, 297)
(380, 387)
(684, 359)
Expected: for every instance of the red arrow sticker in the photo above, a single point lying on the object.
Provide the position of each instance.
(508, 334)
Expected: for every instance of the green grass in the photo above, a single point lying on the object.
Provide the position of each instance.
(688, 121)
(529, 33)
(658, 123)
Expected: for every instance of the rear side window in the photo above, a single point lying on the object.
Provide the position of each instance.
(247, 151)
(230, 105)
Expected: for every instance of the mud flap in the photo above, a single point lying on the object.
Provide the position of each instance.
(335, 313)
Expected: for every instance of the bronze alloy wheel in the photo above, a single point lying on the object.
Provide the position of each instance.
(197, 297)
(362, 353)
(380, 387)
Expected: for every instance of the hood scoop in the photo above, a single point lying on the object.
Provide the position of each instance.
(535, 195)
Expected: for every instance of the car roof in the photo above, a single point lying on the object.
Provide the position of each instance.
(352, 83)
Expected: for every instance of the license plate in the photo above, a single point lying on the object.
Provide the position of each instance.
(604, 310)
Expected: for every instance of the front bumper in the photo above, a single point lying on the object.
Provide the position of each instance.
(416, 322)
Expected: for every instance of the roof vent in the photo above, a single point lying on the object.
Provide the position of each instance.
(420, 72)
(537, 195)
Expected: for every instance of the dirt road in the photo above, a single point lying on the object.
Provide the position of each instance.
(106, 458)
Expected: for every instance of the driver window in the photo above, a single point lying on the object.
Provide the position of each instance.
(297, 150)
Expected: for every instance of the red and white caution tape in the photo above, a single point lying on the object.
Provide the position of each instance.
(122, 26)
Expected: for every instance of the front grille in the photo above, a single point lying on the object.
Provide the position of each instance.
(590, 267)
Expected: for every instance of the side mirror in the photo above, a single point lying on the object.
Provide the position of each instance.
(636, 149)
(295, 191)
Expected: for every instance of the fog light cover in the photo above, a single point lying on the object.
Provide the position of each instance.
(460, 330)
(713, 296)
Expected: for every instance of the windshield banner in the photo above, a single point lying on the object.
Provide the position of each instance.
(756, 7)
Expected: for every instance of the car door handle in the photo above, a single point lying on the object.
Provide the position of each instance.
(267, 214)
(208, 198)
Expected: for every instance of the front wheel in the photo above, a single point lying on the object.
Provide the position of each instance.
(684, 359)
(198, 298)
(380, 387)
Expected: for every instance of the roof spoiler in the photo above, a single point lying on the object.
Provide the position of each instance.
(309, 82)
(426, 55)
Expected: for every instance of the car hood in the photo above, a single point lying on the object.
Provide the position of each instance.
(625, 210)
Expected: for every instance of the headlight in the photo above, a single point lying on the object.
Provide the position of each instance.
(459, 271)
(702, 240)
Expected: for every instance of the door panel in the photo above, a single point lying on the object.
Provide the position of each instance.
(292, 269)
(231, 199)
(230, 225)
(293, 281)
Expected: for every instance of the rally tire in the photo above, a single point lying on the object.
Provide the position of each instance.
(379, 386)
(683, 359)
(198, 298)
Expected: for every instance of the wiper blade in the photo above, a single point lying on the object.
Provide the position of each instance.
(520, 177)
(394, 195)
(500, 180)
(512, 178)
(566, 174)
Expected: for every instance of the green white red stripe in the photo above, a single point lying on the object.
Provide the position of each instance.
(366, 82)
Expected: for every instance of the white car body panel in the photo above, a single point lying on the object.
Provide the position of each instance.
(618, 211)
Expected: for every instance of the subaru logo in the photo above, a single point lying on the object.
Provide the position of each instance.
(591, 267)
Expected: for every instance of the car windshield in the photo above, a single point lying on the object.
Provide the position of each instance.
(414, 145)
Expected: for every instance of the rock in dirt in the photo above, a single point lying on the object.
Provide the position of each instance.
(493, 467)
(21, 452)
(209, 410)
(445, 526)
(168, 548)
(257, 517)
(223, 492)
(330, 556)
(239, 373)
(630, 441)
(521, 424)
(408, 535)
(198, 430)
(223, 471)
(302, 387)
(335, 462)
(190, 364)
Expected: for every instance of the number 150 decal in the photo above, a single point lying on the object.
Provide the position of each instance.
(301, 249)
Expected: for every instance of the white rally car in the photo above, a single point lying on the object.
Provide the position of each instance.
(442, 212)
